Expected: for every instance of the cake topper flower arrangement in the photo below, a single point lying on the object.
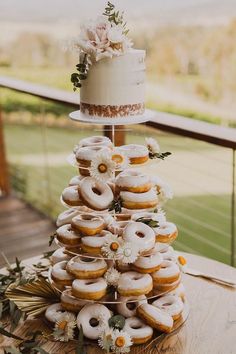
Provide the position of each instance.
(104, 37)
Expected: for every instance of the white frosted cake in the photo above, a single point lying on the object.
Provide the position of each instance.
(115, 87)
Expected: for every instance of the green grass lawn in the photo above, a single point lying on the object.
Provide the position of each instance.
(199, 173)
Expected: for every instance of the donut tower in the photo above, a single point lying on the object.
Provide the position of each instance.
(118, 275)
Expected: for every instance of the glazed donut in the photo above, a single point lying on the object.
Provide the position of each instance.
(54, 312)
(85, 154)
(59, 255)
(66, 216)
(179, 291)
(91, 318)
(117, 227)
(155, 317)
(137, 154)
(75, 181)
(89, 289)
(96, 141)
(158, 217)
(70, 303)
(71, 197)
(134, 284)
(88, 224)
(67, 236)
(140, 234)
(166, 232)
(127, 308)
(139, 331)
(93, 244)
(133, 181)
(171, 304)
(60, 275)
(145, 200)
(124, 215)
(86, 267)
(168, 253)
(163, 288)
(168, 273)
(148, 264)
(97, 195)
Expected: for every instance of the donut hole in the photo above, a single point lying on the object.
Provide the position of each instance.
(96, 191)
(140, 234)
(93, 322)
(87, 217)
(90, 282)
(167, 304)
(86, 259)
(131, 306)
(136, 326)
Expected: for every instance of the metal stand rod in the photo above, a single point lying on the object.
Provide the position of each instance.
(233, 212)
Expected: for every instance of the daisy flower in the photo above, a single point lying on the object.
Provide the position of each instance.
(64, 327)
(152, 145)
(112, 276)
(182, 263)
(164, 192)
(112, 246)
(121, 160)
(121, 341)
(102, 167)
(105, 339)
(128, 252)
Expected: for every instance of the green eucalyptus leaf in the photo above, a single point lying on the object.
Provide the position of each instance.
(116, 322)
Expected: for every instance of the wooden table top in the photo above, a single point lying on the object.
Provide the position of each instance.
(210, 328)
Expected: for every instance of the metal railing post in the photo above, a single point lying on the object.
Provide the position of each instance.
(233, 211)
(4, 173)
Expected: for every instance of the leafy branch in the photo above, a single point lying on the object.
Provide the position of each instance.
(159, 155)
(148, 221)
(115, 17)
(82, 67)
(116, 205)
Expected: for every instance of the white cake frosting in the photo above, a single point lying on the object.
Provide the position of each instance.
(115, 86)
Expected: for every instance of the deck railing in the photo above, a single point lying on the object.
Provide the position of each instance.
(204, 172)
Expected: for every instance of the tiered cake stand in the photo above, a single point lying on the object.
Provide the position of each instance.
(110, 300)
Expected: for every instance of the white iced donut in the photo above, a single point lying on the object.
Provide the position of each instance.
(158, 217)
(117, 227)
(141, 235)
(134, 284)
(139, 331)
(75, 181)
(148, 264)
(166, 232)
(127, 306)
(59, 255)
(88, 224)
(89, 289)
(168, 253)
(179, 291)
(67, 236)
(93, 244)
(133, 181)
(71, 197)
(54, 312)
(166, 287)
(168, 273)
(71, 303)
(60, 275)
(97, 195)
(171, 304)
(137, 154)
(83, 267)
(66, 216)
(85, 154)
(155, 317)
(91, 319)
(124, 215)
(96, 141)
(144, 200)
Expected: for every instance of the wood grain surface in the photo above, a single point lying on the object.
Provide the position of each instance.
(210, 328)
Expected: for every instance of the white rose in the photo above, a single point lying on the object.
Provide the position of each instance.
(115, 34)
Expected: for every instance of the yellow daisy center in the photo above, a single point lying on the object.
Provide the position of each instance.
(114, 246)
(120, 342)
(102, 168)
(117, 158)
(182, 260)
(62, 325)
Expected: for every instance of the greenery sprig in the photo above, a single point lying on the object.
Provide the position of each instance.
(116, 205)
(82, 67)
(159, 155)
(148, 221)
(116, 322)
(115, 17)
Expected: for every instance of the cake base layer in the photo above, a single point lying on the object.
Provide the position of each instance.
(112, 111)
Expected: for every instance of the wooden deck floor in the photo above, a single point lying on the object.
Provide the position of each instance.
(24, 232)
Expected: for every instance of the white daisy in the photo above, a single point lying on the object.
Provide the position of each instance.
(64, 327)
(182, 263)
(111, 247)
(105, 339)
(165, 192)
(152, 145)
(121, 341)
(121, 160)
(112, 276)
(102, 167)
(128, 252)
